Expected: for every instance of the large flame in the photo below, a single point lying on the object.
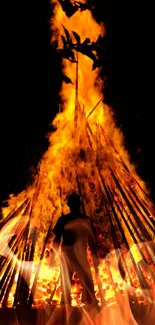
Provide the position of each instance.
(59, 162)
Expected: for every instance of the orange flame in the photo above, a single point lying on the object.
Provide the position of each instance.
(59, 162)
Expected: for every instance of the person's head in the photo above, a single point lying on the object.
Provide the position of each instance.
(74, 202)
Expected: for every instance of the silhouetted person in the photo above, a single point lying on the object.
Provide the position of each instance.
(76, 232)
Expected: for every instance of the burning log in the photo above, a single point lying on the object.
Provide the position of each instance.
(49, 300)
(135, 240)
(131, 192)
(10, 216)
(140, 225)
(110, 142)
(124, 271)
(7, 267)
(18, 232)
(7, 272)
(11, 244)
(150, 243)
(5, 296)
(15, 212)
(31, 251)
(148, 221)
(76, 96)
(14, 245)
(22, 290)
(94, 108)
(133, 201)
(31, 296)
(137, 270)
(143, 230)
(5, 280)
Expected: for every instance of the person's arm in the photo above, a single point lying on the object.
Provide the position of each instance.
(93, 249)
(93, 246)
(57, 230)
(56, 242)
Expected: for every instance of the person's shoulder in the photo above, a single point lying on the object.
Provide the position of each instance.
(85, 216)
(65, 217)
(61, 221)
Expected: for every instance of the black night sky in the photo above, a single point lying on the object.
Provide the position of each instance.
(31, 78)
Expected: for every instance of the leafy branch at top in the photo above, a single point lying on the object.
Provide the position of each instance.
(91, 49)
(70, 7)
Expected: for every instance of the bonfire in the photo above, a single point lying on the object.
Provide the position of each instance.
(86, 154)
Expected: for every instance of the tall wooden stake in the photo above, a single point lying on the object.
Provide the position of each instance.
(76, 93)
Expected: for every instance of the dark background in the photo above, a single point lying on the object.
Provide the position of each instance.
(31, 78)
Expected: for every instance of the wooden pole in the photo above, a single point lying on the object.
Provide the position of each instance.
(14, 212)
(76, 93)
(94, 108)
(31, 297)
(138, 271)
